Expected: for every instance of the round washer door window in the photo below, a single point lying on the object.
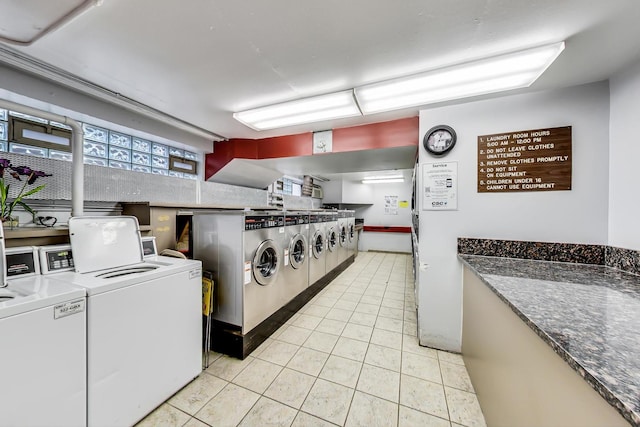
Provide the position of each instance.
(343, 236)
(265, 263)
(318, 244)
(332, 239)
(298, 251)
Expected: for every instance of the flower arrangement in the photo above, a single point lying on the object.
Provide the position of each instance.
(6, 205)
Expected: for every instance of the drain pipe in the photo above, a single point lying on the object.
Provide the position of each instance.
(77, 136)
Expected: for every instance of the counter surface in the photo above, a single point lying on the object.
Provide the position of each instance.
(588, 314)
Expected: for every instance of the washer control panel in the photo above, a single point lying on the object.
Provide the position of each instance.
(56, 258)
(263, 221)
(296, 219)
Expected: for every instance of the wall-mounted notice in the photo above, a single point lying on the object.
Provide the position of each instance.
(391, 205)
(440, 184)
(530, 160)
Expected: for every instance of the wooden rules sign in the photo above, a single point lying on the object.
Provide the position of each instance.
(529, 160)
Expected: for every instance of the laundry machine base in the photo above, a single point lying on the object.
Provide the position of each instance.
(228, 339)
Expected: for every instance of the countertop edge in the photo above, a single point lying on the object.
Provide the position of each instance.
(600, 388)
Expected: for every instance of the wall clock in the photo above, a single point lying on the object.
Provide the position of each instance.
(439, 140)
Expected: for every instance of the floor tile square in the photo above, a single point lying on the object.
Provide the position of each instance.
(377, 293)
(164, 415)
(399, 296)
(350, 348)
(420, 366)
(379, 382)
(290, 387)
(363, 319)
(384, 357)
(367, 308)
(308, 361)
(328, 401)
(339, 314)
(197, 393)
(305, 420)
(345, 305)
(193, 422)
(410, 316)
(279, 353)
(342, 371)
(392, 303)
(267, 412)
(448, 357)
(371, 411)
(368, 299)
(306, 321)
(257, 375)
(456, 376)
(228, 367)
(357, 332)
(228, 407)
(325, 301)
(386, 338)
(423, 395)
(412, 418)
(351, 297)
(388, 324)
(393, 313)
(464, 408)
(316, 310)
(321, 341)
(331, 326)
(294, 335)
(410, 328)
(410, 345)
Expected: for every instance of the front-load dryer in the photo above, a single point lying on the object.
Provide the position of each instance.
(317, 248)
(343, 236)
(43, 345)
(352, 234)
(333, 240)
(144, 318)
(295, 272)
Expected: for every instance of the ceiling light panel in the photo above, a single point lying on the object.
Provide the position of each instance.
(490, 75)
(308, 110)
(381, 180)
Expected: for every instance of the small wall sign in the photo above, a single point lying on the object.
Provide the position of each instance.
(529, 160)
(440, 186)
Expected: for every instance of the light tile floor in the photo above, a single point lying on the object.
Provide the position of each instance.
(350, 357)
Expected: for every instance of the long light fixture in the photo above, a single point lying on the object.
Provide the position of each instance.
(307, 110)
(489, 75)
(383, 179)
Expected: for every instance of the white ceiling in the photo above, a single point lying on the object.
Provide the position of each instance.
(201, 60)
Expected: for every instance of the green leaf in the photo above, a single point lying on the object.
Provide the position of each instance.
(27, 208)
(32, 191)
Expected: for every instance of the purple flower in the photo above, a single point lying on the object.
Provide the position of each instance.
(22, 170)
(4, 164)
(36, 174)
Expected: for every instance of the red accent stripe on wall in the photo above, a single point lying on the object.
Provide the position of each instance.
(387, 229)
(395, 133)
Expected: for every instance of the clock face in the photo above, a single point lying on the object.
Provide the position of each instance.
(439, 140)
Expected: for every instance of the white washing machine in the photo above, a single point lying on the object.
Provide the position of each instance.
(144, 318)
(317, 248)
(352, 234)
(42, 345)
(333, 240)
(295, 272)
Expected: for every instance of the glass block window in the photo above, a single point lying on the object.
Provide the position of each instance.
(101, 146)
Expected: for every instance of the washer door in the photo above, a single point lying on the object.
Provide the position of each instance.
(265, 263)
(343, 236)
(297, 251)
(318, 244)
(332, 239)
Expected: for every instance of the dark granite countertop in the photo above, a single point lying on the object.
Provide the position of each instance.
(588, 314)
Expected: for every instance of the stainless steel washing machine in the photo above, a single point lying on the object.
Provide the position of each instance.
(295, 272)
(244, 250)
(352, 234)
(343, 236)
(317, 247)
(333, 238)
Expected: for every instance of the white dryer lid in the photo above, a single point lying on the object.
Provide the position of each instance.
(104, 242)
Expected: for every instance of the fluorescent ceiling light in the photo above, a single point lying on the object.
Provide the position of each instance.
(381, 180)
(308, 110)
(495, 74)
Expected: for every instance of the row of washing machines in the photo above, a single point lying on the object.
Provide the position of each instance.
(261, 260)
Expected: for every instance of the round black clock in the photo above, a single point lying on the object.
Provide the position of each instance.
(439, 140)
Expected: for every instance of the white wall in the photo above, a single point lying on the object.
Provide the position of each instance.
(375, 214)
(624, 154)
(577, 216)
